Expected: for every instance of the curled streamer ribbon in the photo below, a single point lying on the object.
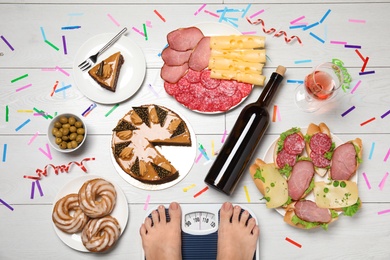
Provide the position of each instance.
(62, 168)
(346, 76)
(273, 30)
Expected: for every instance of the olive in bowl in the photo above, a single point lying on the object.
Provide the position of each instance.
(66, 132)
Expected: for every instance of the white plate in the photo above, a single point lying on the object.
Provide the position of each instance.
(130, 78)
(120, 212)
(269, 158)
(217, 29)
(182, 157)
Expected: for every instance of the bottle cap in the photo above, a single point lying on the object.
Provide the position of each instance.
(281, 70)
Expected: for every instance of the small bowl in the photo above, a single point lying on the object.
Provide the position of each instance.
(52, 138)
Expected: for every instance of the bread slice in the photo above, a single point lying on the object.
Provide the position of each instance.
(106, 73)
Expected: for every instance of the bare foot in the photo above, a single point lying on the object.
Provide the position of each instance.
(235, 239)
(162, 240)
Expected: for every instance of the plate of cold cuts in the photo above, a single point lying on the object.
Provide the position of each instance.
(186, 74)
(294, 149)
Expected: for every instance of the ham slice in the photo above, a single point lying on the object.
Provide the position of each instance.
(173, 74)
(300, 178)
(172, 57)
(343, 162)
(199, 59)
(307, 210)
(184, 39)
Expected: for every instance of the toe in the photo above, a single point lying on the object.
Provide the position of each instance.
(175, 212)
(236, 214)
(161, 212)
(226, 213)
(244, 217)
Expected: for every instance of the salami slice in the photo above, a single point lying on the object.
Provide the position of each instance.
(183, 86)
(171, 88)
(284, 158)
(294, 144)
(184, 98)
(319, 160)
(228, 87)
(320, 143)
(236, 98)
(245, 88)
(192, 76)
(223, 103)
(208, 82)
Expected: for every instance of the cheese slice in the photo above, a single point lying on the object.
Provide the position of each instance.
(247, 55)
(237, 42)
(275, 186)
(251, 78)
(220, 63)
(336, 194)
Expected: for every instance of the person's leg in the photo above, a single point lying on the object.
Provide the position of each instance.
(235, 239)
(162, 240)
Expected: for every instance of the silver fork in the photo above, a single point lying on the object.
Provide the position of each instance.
(92, 60)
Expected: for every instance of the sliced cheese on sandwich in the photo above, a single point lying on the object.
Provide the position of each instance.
(275, 185)
(248, 55)
(237, 42)
(251, 78)
(220, 63)
(335, 194)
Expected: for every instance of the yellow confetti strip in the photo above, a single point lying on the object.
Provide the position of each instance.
(212, 148)
(189, 187)
(247, 194)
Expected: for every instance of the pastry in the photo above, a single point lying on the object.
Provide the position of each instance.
(136, 136)
(106, 73)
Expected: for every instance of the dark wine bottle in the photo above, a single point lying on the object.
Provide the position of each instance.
(243, 139)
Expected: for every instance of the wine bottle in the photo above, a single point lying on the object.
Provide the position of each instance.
(243, 139)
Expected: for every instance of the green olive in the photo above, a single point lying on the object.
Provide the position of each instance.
(63, 120)
(72, 129)
(74, 144)
(78, 124)
(54, 130)
(72, 136)
(65, 131)
(65, 137)
(67, 125)
(57, 124)
(72, 120)
(80, 131)
(58, 140)
(79, 138)
(63, 145)
(69, 145)
(58, 134)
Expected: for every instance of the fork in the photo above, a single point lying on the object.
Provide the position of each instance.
(92, 60)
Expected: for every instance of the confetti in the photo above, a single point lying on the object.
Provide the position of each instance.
(6, 113)
(6, 204)
(295, 81)
(203, 151)
(297, 26)
(298, 19)
(22, 125)
(365, 64)
(211, 13)
(384, 211)
(145, 32)
(185, 189)
(5, 152)
(366, 179)
(63, 88)
(356, 86)
(246, 10)
(71, 27)
(63, 71)
(316, 37)
(159, 15)
(385, 114)
(212, 148)
(352, 46)
(63, 168)
(256, 14)
(224, 136)
(111, 110)
(198, 158)
(52, 45)
(138, 31)
(24, 87)
(33, 138)
(47, 152)
(32, 190)
(54, 88)
(302, 61)
(274, 113)
(43, 34)
(247, 193)
(113, 20)
(200, 9)
(367, 72)
(293, 242)
(250, 32)
(382, 183)
(39, 187)
(347, 112)
(368, 121)
(19, 78)
(325, 15)
(6, 42)
(371, 150)
(356, 21)
(387, 156)
(310, 26)
(338, 42)
(201, 191)
(360, 55)
(147, 202)
(89, 109)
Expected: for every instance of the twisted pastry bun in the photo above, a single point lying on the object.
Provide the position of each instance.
(97, 198)
(68, 216)
(101, 234)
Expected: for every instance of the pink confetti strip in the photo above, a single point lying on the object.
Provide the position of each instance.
(47, 152)
(138, 31)
(387, 156)
(63, 71)
(338, 42)
(257, 13)
(6, 204)
(211, 13)
(383, 181)
(24, 87)
(113, 20)
(224, 136)
(32, 190)
(356, 21)
(33, 138)
(251, 32)
(200, 9)
(356, 86)
(366, 179)
(384, 211)
(147, 202)
(297, 20)
(198, 158)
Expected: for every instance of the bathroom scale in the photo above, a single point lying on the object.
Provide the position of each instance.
(199, 227)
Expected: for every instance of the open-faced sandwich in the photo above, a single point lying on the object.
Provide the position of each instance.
(346, 160)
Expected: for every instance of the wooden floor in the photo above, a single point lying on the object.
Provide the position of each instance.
(33, 44)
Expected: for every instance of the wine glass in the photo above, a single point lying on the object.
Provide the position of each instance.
(319, 87)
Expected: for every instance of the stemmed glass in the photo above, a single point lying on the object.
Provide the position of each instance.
(319, 87)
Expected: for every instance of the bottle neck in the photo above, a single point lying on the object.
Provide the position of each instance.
(270, 89)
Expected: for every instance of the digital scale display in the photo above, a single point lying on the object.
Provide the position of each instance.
(199, 227)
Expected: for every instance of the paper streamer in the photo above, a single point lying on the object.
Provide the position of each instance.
(32, 190)
(113, 20)
(382, 183)
(200, 9)
(159, 15)
(62, 168)
(33, 138)
(22, 125)
(366, 180)
(147, 202)
(6, 42)
(185, 189)
(371, 150)
(293, 242)
(247, 194)
(384, 211)
(6, 204)
(368, 121)
(19, 78)
(5, 152)
(201, 191)
(386, 156)
(111, 110)
(47, 152)
(348, 111)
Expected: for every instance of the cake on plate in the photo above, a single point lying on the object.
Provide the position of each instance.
(106, 73)
(136, 136)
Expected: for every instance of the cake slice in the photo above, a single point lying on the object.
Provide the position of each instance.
(106, 73)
